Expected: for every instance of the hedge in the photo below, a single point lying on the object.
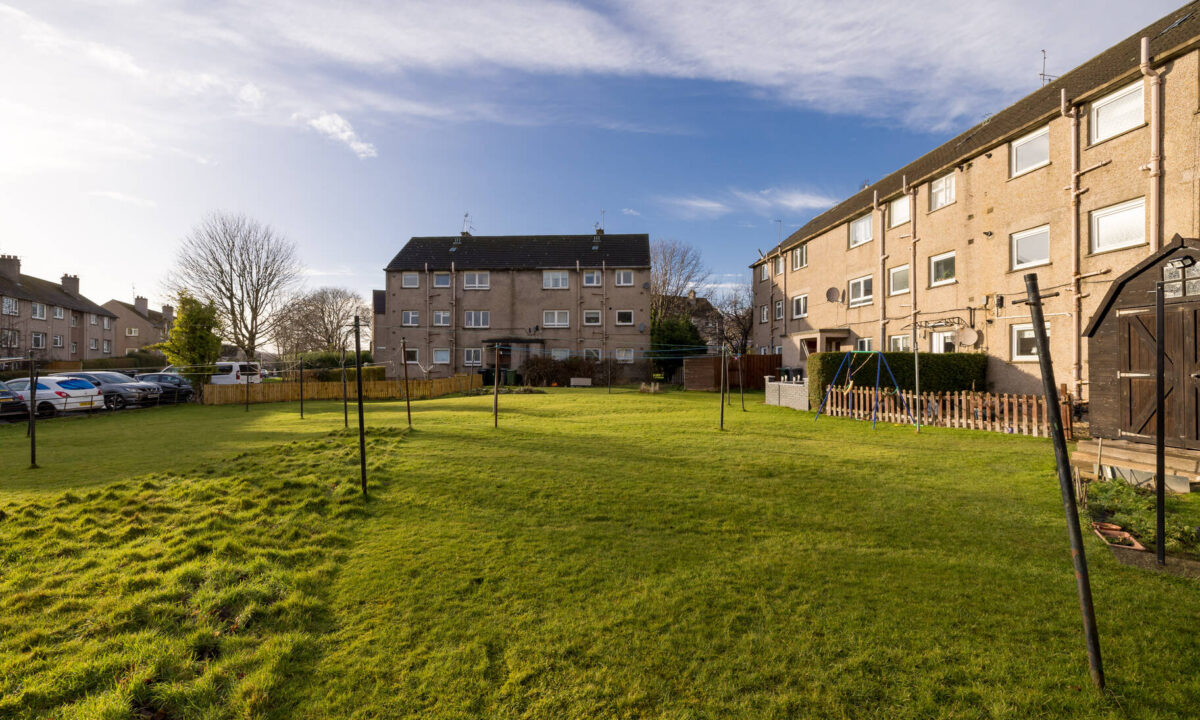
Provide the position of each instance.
(940, 372)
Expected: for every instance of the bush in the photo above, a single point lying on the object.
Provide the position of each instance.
(544, 370)
(1118, 502)
(940, 372)
(335, 374)
(325, 359)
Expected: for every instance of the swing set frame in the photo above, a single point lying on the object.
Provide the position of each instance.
(879, 365)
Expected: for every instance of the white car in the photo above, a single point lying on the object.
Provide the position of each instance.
(59, 394)
(229, 372)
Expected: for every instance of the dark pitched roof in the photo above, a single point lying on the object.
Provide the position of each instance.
(154, 316)
(379, 301)
(27, 287)
(503, 252)
(1094, 76)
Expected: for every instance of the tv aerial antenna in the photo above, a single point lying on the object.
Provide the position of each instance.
(467, 226)
(1046, 79)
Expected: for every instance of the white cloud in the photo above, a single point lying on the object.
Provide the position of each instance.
(696, 208)
(630, 211)
(123, 198)
(335, 126)
(766, 202)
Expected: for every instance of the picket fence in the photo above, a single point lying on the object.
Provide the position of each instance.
(372, 390)
(997, 412)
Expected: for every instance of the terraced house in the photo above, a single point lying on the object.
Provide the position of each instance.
(1078, 182)
(453, 299)
(51, 319)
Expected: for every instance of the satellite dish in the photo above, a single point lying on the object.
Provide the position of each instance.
(645, 286)
(642, 327)
(833, 295)
(968, 337)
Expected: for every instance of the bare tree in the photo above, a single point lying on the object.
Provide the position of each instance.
(330, 315)
(244, 268)
(675, 268)
(736, 306)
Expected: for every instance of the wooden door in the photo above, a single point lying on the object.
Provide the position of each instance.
(1181, 387)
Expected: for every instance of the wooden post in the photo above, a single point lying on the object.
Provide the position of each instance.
(407, 398)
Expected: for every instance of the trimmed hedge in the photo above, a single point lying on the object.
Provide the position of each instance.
(940, 372)
(335, 374)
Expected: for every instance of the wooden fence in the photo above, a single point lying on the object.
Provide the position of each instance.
(372, 390)
(998, 412)
(704, 373)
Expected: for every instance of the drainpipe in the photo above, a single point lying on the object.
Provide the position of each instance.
(1154, 79)
(428, 317)
(1071, 112)
(883, 290)
(454, 320)
(912, 294)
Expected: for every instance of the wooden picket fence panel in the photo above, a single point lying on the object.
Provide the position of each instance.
(372, 390)
(997, 412)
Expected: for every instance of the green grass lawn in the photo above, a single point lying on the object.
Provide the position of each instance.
(597, 556)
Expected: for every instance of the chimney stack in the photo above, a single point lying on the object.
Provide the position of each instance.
(168, 313)
(10, 267)
(141, 305)
(599, 231)
(70, 284)
(692, 295)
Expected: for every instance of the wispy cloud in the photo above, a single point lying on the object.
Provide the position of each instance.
(336, 127)
(630, 211)
(757, 202)
(123, 198)
(696, 208)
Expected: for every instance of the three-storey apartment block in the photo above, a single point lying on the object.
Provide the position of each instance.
(51, 319)
(455, 300)
(1076, 182)
(137, 325)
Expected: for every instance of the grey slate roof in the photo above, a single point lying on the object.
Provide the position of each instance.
(1118, 63)
(529, 252)
(27, 287)
(154, 316)
(379, 301)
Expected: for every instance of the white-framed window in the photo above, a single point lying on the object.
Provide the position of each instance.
(624, 278)
(10, 339)
(778, 264)
(410, 318)
(1116, 112)
(764, 271)
(593, 317)
(1029, 248)
(74, 320)
(10, 306)
(800, 257)
(1119, 226)
(441, 356)
(473, 356)
(56, 341)
(410, 280)
(779, 309)
(559, 353)
(556, 318)
(92, 319)
(1023, 344)
(863, 344)
(592, 354)
(107, 348)
(625, 355)
(941, 269)
(58, 312)
(1029, 152)
(899, 343)
(441, 280)
(412, 356)
(898, 281)
(107, 322)
(862, 291)
(74, 348)
(762, 350)
(898, 211)
(477, 318)
(441, 318)
(131, 332)
(37, 340)
(941, 191)
(764, 314)
(943, 341)
(593, 278)
(860, 230)
(556, 280)
(93, 344)
(624, 317)
(777, 350)
(477, 280)
(800, 306)
(37, 310)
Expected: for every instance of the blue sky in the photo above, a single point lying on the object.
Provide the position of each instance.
(351, 127)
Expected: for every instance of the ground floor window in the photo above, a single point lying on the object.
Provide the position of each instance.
(899, 343)
(777, 350)
(57, 341)
(863, 344)
(473, 356)
(592, 354)
(74, 348)
(411, 355)
(943, 341)
(1024, 347)
(37, 340)
(441, 356)
(560, 353)
(625, 355)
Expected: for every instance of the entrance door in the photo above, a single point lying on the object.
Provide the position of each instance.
(1181, 381)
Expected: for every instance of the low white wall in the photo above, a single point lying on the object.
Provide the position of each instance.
(787, 394)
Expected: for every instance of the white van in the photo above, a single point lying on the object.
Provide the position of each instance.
(236, 373)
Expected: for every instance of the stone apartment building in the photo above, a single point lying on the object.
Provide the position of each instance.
(52, 319)
(1077, 182)
(453, 299)
(137, 325)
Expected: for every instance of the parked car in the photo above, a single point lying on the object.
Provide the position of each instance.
(58, 394)
(11, 402)
(175, 388)
(118, 389)
(236, 373)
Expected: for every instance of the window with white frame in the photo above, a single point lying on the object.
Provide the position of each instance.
(860, 230)
(1029, 248)
(57, 341)
(58, 312)
(1024, 345)
(441, 356)
(1119, 226)
(74, 348)
(107, 348)
(10, 339)
(441, 280)
(1029, 152)
(862, 291)
(898, 211)
(592, 354)
(762, 350)
(625, 355)
(800, 306)
(779, 309)
(863, 344)
(37, 310)
(800, 257)
(899, 343)
(10, 306)
(559, 353)
(37, 340)
(477, 280)
(593, 317)
(410, 280)
(107, 322)
(92, 319)
(472, 356)
(477, 318)
(556, 318)
(777, 350)
(593, 278)
(779, 265)
(412, 356)
(624, 317)
(943, 341)
(941, 191)
(74, 320)
(898, 280)
(556, 280)
(764, 314)
(441, 318)
(1117, 112)
(941, 269)
(93, 344)
(624, 278)
(764, 271)
(131, 332)
(410, 318)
